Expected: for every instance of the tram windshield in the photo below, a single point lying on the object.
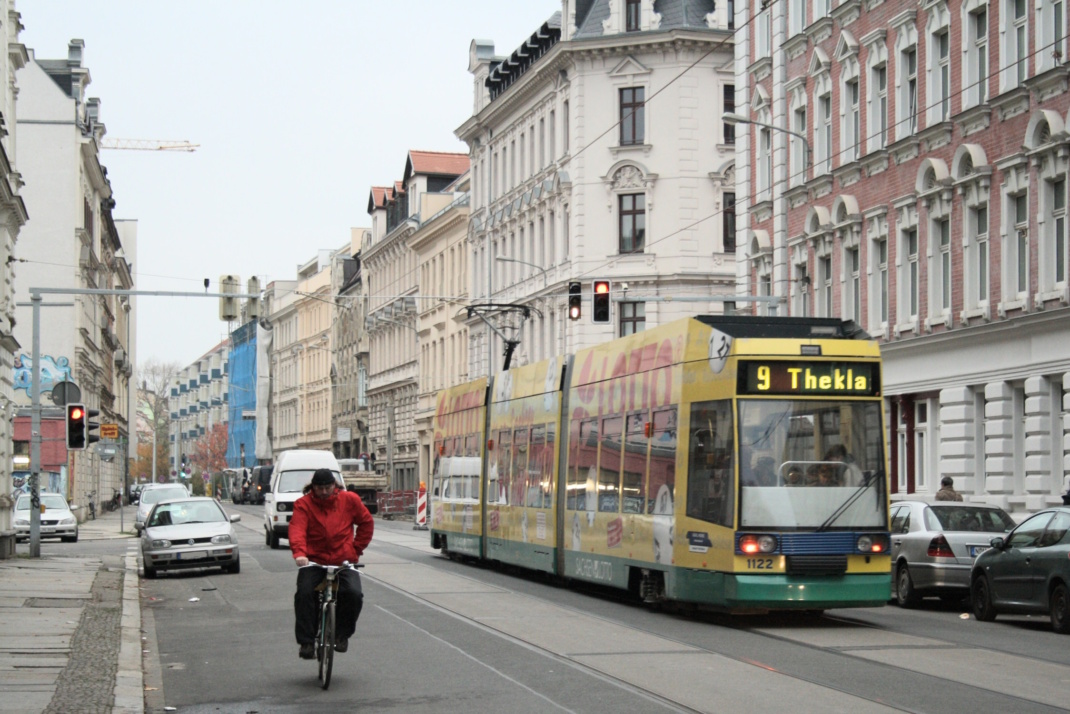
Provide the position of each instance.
(811, 464)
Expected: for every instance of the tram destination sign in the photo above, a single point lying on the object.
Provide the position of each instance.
(789, 377)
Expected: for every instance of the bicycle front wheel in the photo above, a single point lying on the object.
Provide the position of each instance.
(328, 645)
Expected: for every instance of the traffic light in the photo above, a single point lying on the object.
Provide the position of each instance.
(600, 309)
(76, 432)
(575, 296)
(91, 425)
(79, 424)
(228, 306)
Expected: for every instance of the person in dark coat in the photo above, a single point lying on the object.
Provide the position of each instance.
(947, 490)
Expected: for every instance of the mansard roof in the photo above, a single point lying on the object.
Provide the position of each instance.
(675, 14)
(503, 72)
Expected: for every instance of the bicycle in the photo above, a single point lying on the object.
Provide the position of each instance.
(92, 506)
(328, 592)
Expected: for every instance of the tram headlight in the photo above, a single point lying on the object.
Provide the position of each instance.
(751, 544)
(872, 544)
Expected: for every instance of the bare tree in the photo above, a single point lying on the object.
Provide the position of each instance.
(155, 377)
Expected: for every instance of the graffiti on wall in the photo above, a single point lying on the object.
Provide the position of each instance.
(53, 371)
(47, 481)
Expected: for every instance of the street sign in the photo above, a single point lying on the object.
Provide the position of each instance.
(109, 431)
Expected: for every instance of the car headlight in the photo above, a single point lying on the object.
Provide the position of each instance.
(221, 539)
(22, 521)
(282, 507)
(69, 521)
(161, 543)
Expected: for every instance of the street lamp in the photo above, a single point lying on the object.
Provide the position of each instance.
(506, 259)
(730, 118)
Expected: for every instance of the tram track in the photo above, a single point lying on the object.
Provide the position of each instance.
(868, 682)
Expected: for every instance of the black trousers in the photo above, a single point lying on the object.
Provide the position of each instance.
(350, 601)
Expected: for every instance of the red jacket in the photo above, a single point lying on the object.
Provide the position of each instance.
(322, 529)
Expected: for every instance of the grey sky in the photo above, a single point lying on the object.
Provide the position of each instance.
(299, 108)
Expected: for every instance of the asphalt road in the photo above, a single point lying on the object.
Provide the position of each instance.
(440, 636)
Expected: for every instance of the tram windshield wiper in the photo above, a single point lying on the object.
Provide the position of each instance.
(868, 479)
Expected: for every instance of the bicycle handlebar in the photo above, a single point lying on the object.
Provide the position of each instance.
(346, 565)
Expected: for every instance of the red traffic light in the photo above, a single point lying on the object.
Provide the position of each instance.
(77, 413)
(600, 308)
(601, 287)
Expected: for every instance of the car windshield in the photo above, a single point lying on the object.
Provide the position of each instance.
(155, 495)
(178, 513)
(969, 518)
(295, 481)
(48, 500)
(811, 464)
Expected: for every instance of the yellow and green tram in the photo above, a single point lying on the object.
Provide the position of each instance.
(733, 462)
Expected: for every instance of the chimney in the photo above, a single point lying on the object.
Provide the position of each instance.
(75, 48)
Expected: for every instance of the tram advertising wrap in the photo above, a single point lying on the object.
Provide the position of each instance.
(731, 462)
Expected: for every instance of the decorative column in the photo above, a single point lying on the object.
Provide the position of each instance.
(999, 439)
(1038, 443)
(957, 450)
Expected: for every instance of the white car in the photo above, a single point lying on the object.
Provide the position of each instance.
(152, 494)
(189, 533)
(57, 521)
(293, 471)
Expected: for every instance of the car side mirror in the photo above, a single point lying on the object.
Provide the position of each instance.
(997, 543)
(235, 517)
(138, 527)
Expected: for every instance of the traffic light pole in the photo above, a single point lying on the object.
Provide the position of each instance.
(35, 384)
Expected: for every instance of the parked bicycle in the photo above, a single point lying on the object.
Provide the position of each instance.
(328, 594)
(92, 506)
(113, 504)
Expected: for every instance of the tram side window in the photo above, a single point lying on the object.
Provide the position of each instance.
(587, 465)
(609, 466)
(574, 484)
(436, 470)
(547, 468)
(505, 453)
(710, 495)
(536, 468)
(471, 445)
(633, 486)
(662, 481)
(519, 472)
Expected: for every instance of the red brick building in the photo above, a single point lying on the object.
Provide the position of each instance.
(905, 166)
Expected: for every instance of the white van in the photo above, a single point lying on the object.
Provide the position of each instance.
(293, 471)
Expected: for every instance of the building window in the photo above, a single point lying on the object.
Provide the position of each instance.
(564, 126)
(765, 164)
(825, 276)
(632, 129)
(822, 8)
(942, 41)
(824, 143)
(799, 148)
(729, 108)
(921, 433)
(854, 283)
(910, 244)
(802, 289)
(632, 222)
(980, 227)
(1020, 40)
(1058, 31)
(979, 61)
(762, 33)
(853, 120)
(1021, 251)
(632, 318)
(910, 72)
(880, 123)
(943, 229)
(728, 222)
(631, 15)
(796, 17)
(1058, 215)
(882, 271)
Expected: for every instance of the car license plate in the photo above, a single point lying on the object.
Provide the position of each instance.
(191, 555)
(48, 529)
(976, 550)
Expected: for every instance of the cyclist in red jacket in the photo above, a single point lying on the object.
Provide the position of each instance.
(321, 531)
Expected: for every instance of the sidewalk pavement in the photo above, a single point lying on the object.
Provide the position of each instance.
(70, 629)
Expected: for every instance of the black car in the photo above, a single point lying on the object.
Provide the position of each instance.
(1028, 571)
(259, 483)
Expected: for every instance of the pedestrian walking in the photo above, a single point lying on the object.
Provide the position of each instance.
(947, 490)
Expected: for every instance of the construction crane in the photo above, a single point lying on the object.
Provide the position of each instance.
(148, 145)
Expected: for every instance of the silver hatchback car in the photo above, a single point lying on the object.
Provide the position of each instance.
(934, 546)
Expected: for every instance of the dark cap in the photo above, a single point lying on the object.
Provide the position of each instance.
(323, 477)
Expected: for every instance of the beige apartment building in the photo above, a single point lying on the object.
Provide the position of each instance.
(442, 259)
(391, 281)
(349, 378)
(281, 311)
(314, 308)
